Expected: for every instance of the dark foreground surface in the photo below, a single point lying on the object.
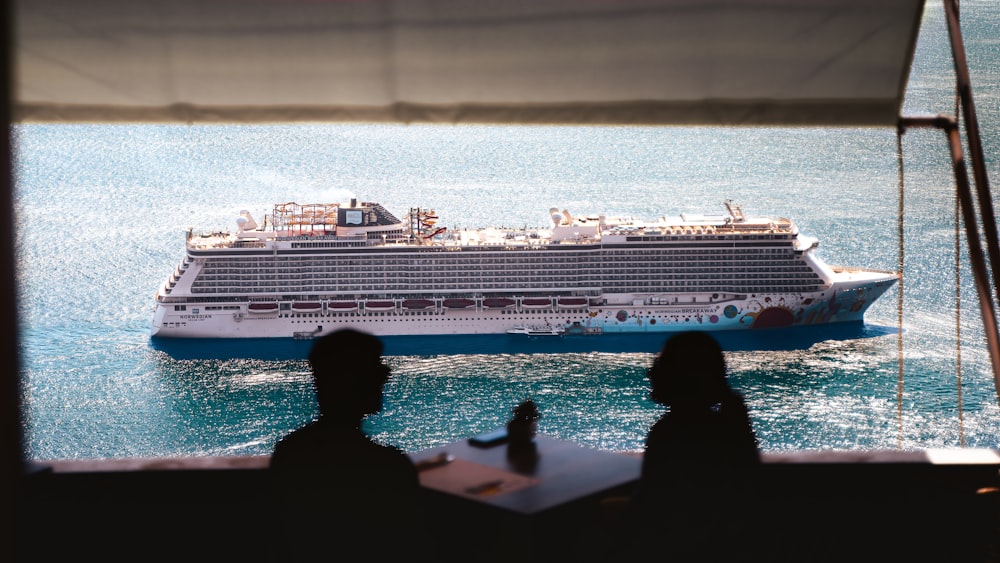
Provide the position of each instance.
(851, 506)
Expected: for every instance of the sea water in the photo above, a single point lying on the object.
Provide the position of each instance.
(101, 213)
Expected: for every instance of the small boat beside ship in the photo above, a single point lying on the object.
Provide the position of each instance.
(537, 330)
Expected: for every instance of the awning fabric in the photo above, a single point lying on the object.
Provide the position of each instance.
(710, 62)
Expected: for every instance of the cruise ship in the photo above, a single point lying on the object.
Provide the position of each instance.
(309, 269)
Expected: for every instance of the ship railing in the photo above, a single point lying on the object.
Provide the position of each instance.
(860, 270)
(698, 299)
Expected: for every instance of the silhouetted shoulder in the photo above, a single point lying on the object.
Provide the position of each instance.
(333, 452)
(722, 437)
(335, 491)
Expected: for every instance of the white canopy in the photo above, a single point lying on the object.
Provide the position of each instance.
(713, 62)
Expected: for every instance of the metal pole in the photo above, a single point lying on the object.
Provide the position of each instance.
(963, 86)
(976, 257)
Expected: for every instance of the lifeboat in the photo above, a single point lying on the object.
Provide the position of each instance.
(536, 302)
(262, 308)
(340, 306)
(458, 303)
(498, 302)
(417, 303)
(307, 306)
(379, 305)
(573, 302)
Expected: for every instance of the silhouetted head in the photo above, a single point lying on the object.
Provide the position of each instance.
(348, 374)
(690, 370)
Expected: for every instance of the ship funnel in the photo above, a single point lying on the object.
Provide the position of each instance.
(246, 222)
(567, 218)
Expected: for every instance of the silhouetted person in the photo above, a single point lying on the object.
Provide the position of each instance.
(335, 489)
(700, 456)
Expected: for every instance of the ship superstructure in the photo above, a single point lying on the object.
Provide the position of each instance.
(312, 268)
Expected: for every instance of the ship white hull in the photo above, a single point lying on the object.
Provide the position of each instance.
(320, 267)
(846, 301)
